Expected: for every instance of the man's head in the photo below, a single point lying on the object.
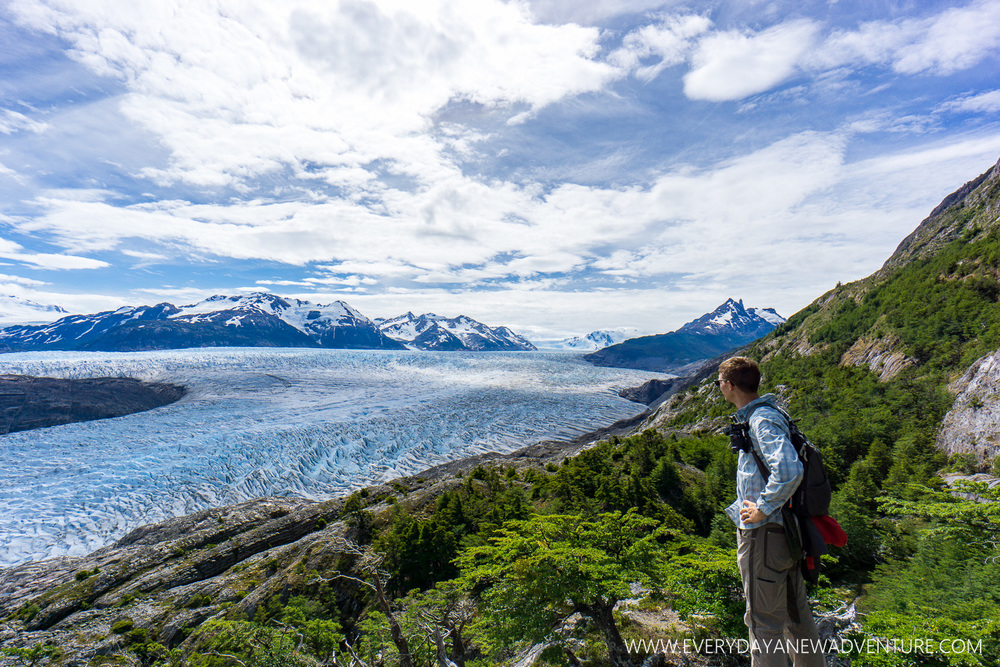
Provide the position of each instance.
(739, 379)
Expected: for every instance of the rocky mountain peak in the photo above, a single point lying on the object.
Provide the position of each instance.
(733, 315)
(727, 327)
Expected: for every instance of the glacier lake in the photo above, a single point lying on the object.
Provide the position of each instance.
(276, 421)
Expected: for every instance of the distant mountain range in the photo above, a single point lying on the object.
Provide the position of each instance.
(434, 332)
(728, 326)
(253, 320)
(15, 310)
(595, 340)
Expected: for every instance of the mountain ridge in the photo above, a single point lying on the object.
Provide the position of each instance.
(436, 332)
(728, 326)
(258, 319)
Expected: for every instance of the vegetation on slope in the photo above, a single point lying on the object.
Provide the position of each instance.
(505, 558)
(926, 571)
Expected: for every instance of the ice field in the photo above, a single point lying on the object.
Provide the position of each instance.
(255, 422)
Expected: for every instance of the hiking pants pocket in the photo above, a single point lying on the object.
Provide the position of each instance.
(776, 556)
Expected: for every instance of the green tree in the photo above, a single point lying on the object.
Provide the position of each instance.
(534, 573)
(949, 589)
(34, 655)
(242, 642)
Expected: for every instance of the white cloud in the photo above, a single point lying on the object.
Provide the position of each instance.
(667, 43)
(795, 198)
(7, 171)
(150, 256)
(592, 12)
(732, 65)
(323, 89)
(956, 39)
(352, 280)
(988, 102)
(18, 280)
(15, 252)
(13, 121)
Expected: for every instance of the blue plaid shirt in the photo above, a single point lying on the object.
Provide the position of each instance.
(772, 441)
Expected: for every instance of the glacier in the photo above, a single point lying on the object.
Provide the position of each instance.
(311, 423)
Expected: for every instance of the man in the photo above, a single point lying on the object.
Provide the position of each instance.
(778, 616)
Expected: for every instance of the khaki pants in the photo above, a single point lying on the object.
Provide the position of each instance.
(778, 615)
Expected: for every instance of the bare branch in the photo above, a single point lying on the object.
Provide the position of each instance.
(354, 656)
(226, 655)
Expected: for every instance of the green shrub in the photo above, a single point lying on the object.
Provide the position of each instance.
(198, 600)
(29, 612)
(122, 626)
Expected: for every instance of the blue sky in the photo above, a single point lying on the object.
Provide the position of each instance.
(554, 166)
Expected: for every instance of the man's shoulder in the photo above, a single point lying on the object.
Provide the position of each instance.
(766, 410)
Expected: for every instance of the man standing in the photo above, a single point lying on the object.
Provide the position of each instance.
(778, 615)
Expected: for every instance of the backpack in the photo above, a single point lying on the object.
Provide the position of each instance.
(807, 526)
(812, 496)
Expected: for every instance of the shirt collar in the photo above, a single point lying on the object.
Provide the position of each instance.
(743, 413)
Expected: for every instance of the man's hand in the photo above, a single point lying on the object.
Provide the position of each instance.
(750, 513)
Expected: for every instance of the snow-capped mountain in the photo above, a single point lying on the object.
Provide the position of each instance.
(434, 332)
(732, 316)
(15, 310)
(336, 325)
(595, 340)
(254, 320)
(727, 327)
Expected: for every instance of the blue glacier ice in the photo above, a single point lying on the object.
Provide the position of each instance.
(296, 422)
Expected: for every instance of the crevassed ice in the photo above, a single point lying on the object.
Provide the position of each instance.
(255, 422)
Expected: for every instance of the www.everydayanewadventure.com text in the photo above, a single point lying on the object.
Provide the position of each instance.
(841, 646)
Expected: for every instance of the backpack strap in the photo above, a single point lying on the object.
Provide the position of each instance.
(793, 532)
(765, 472)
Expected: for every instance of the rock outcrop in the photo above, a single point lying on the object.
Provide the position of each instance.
(881, 355)
(35, 402)
(650, 390)
(972, 426)
(167, 578)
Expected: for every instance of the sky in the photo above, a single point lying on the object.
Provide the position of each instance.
(556, 166)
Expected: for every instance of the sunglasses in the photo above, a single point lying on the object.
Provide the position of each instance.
(719, 382)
